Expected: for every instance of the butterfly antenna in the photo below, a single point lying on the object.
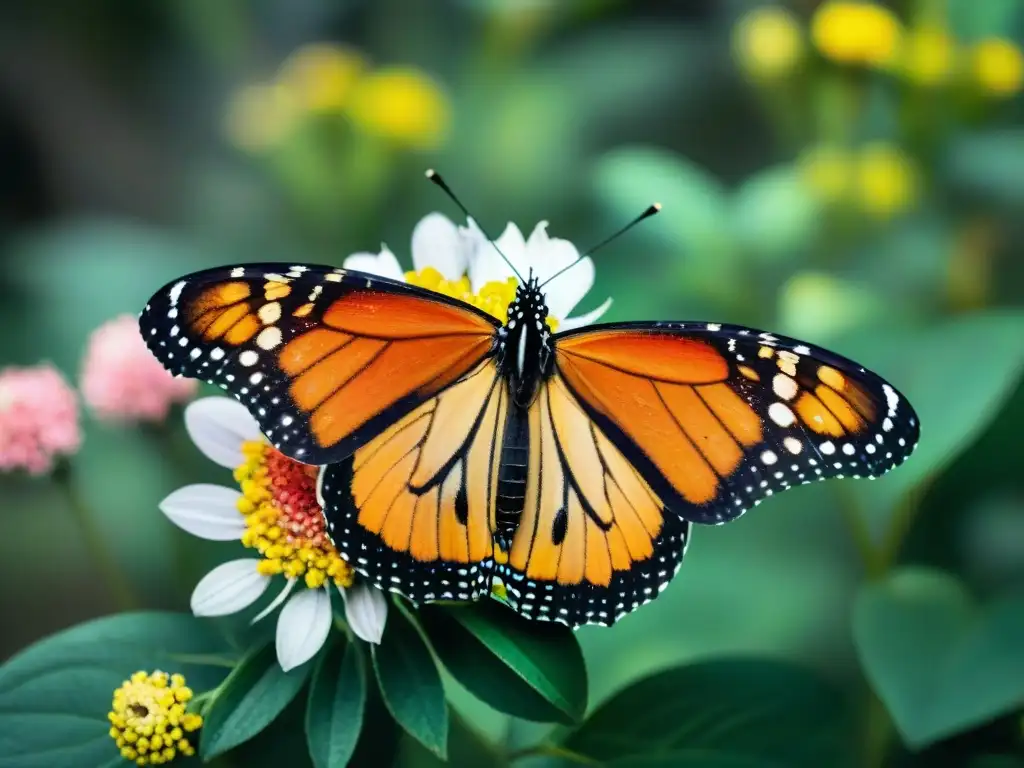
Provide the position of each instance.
(435, 177)
(652, 209)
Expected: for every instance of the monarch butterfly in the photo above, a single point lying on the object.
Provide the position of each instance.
(464, 456)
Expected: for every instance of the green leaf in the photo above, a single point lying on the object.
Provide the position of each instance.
(337, 699)
(720, 712)
(466, 747)
(255, 693)
(410, 683)
(55, 695)
(940, 663)
(953, 402)
(483, 674)
(546, 656)
(989, 163)
(695, 759)
(774, 216)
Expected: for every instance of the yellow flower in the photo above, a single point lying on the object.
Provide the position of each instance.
(998, 67)
(768, 42)
(886, 180)
(403, 105)
(856, 33)
(929, 55)
(827, 171)
(148, 721)
(259, 116)
(321, 76)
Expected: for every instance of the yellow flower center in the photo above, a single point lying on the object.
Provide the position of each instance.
(148, 721)
(856, 33)
(283, 520)
(493, 298)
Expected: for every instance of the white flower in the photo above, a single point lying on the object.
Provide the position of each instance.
(457, 251)
(225, 432)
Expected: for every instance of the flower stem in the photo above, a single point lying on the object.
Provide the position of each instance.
(94, 540)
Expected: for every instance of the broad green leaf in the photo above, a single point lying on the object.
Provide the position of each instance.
(55, 695)
(255, 693)
(483, 674)
(819, 305)
(989, 163)
(774, 216)
(337, 699)
(544, 655)
(724, 710)
(695, 759)
(956, 374)
(940, 663)
(410, 683)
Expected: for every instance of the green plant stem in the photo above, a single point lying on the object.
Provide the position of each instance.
(95, 542)
(878, 732)
(551, 750)
(860, 533)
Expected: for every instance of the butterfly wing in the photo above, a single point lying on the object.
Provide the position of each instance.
(413, 509)
(715, 418)
(324, 359)
(594, 541)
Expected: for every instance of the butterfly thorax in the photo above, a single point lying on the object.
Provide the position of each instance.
(524, 351)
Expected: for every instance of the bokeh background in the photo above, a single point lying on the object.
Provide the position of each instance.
(850, 174)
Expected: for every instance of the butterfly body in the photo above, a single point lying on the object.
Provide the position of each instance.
(464, 456)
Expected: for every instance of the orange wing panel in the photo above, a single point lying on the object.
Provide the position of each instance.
(392, 316)
(651, 355)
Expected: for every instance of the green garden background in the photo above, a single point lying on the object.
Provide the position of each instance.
(851, 174)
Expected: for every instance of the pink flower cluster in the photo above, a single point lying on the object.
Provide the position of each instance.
(122, 381)
(38, 418)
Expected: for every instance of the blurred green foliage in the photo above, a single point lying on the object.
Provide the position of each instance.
(849, 173)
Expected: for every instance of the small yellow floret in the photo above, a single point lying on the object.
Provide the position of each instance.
(768, 42)
(149, 723)
(998, 67)
(856, 33)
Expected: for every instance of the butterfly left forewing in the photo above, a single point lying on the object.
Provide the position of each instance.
(323, 358)
(716, 418)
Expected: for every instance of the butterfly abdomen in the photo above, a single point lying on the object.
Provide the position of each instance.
(512, 474)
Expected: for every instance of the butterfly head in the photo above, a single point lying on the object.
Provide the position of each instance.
(525, 351)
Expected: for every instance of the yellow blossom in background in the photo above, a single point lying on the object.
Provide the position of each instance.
(768, 42)
(929, 54)
(886, 180)
(998, 67)
(148, 721)
(259, 116)
(320, 77)
(827, 171)
(856, 33)
(403, 105)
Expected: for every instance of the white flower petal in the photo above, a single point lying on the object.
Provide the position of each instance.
(568, 289)
(218, 426)
(437, 243)
(303, 627)
(486, 264)
(272, 606)
(229, 588)
(207, 511)
(570, 323)
(384, 264)
(366, 611)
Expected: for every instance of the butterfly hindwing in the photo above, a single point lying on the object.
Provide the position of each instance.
(594, 541)
(413, 509)
(716, 418)
(325, 359)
